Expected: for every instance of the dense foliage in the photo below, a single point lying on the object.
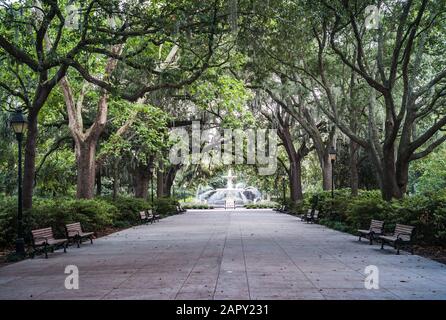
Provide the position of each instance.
(346, 213)
(95, 215)
(103, 89)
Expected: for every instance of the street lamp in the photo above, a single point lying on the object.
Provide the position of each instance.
(19, 124)
(332, 157)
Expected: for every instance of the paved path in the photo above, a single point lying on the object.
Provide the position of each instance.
(242, 254)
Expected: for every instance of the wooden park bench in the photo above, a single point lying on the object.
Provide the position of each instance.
(284, 209)
(74, 232)
(374, 231)
(312, 216)
(402, 236)
(43, 240)
(145, 218)
(155, 216)
(307, 215)
(229, 203)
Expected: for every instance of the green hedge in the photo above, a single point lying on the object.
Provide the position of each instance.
(262, 205)
(94, 215)
(165, 206)
(197, 206)
(346, 213)
(128, 210)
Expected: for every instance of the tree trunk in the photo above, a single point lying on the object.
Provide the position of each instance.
(98, 182)
(327, 169)
(389, 182)
(86, 168)
(29, 167)
(402, 174)
(295, 160)
(169, 178)
(295, 175)
(142, 179)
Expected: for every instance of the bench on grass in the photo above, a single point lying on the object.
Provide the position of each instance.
(402, 236)
(74, 232)
(43, 240)
(375, 230)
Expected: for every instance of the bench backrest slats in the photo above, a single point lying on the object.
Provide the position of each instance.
(42, 234)
(403, 231)
(377, 226)
(150, 213)
(142, 215)
(74, 228)
(316, 214)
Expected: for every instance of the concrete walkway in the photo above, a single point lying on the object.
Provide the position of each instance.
(217, 254)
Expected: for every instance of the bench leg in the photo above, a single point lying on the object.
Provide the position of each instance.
(359, 239)
(91, 239)
(45, 250)
(78, 242)
(65, 247)
(382, 244)
(371, 240)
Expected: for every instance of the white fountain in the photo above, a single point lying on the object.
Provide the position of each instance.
(240, 194)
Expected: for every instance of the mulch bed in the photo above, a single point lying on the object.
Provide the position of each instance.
(436, 253)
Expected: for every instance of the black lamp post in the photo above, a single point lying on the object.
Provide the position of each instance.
(332, 157)
(19, 124)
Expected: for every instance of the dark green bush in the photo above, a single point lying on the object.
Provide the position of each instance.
(426, 212)
(165, 206)
(128, 210)
(94, 215)
(366, 206)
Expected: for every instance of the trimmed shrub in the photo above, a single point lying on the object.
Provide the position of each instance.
(426, 212)
(262, 205)
(128, 210)
(196, 206)
(165, 206)
(94, 215)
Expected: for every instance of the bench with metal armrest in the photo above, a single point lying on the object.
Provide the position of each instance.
(74, 232)
(402, 236)
(375, 230)
(43, 240)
